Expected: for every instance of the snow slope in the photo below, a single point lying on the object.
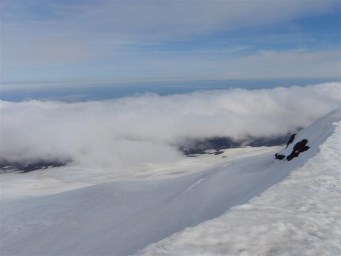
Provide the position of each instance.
(60, 179)
(121, 218)
(299, 216)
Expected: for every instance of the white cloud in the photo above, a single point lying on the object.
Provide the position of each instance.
(142, 130)
(124, 22)
(45, 40)
(40, 52)
(293, 63)
(153, 20)
(224, 64)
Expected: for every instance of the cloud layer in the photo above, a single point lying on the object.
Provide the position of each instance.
(134, 131)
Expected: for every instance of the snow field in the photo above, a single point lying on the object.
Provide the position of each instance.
(295, 217)
(299, 216)
(60, 179)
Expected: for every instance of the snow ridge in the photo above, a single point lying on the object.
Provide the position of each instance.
(299, 216)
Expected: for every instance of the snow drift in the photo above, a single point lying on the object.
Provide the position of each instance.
(120, 218)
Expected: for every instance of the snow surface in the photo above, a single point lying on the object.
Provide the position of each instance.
(299, 216)
(60, 179)
(122, 217)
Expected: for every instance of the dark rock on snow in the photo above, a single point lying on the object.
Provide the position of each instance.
(298, 148)
(291, 139)
(279, 156)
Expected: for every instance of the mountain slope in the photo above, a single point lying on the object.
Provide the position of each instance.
(299, 216)
(120, 218)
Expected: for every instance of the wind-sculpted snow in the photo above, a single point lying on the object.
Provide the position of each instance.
(121, 218)
(135, 131)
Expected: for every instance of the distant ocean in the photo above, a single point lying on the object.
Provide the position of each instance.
(74, 93)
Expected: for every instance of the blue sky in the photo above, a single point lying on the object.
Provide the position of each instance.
(85, 41)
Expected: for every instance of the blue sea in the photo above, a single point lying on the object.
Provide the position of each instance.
(72, 93)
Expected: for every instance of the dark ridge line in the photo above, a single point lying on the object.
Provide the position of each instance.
(24, 167)
(193, 147)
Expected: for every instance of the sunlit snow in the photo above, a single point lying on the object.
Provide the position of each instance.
(123, 217)
(299, 216)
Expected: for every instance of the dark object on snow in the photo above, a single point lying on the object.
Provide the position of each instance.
(279, 156)
(291, 139)
(299, 147)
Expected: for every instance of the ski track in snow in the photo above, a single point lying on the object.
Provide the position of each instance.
(120, 218)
